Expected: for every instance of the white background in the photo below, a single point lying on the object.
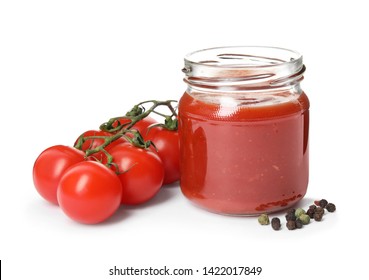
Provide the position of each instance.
(67, 66)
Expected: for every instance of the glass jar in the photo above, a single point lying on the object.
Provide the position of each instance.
(244, 127)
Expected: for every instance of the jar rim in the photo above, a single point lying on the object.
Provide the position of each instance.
(243, 67)
(243, 57)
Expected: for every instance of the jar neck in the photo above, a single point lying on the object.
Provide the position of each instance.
(234, 69)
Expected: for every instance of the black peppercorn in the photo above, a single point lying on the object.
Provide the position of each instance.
(291, 224)
(313, 206)
(331, 207)
(323, 203)
(318, 216)
(298, 223)
(276, 223)
(290, 216)
(310, 212)
(319, 210)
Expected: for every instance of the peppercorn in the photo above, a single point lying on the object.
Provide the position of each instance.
(291, 224)
(292, 210)
(323, 203)
(276, 223)
(330, 207)
(313, 206)
(263, 219)
(298, 223)
(290, 216)
(318, 216)
(305, 219)
(310, 212)
(299, 212)
(319, 210)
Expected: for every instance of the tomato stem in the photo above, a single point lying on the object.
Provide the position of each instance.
(101, 148)
(118, 130)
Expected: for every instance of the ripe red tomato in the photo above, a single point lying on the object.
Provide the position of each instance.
(141, 125)
(50, 166)
(142, 173)
(93, 143)
(167, 145)
(89, 192)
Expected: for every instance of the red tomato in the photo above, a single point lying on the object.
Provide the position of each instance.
(50, 166)
(93, 143)
(142, 173)
(167, 145)
(141, 125)
(89, 192)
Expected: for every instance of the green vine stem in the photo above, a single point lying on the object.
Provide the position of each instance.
(137, 113)
(118, 130)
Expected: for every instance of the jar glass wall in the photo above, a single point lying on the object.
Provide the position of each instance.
(243, 126)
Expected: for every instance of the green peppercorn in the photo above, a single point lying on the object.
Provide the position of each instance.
(330, 207)
(291, 224)
(298, 223)
(299, 212)
(263, 219)
(318, 216)
(323, 203)
(305, 219)
(276, 223)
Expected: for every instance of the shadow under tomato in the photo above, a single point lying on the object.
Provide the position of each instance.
(171, 185)
(118, 217)
(164, 194)
(126, 211)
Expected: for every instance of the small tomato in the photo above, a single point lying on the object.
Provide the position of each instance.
(142, 173)
(89, 192)
(167, 145)
(50, 166)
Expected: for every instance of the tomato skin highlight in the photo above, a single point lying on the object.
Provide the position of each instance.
(167, 145)
(89, 192)
(50, 166)
(142, 173)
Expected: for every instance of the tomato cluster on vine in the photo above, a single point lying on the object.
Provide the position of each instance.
(126, 161)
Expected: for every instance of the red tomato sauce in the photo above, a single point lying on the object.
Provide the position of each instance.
(247, 159)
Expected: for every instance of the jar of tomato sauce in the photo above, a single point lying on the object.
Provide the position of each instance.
(244, 127)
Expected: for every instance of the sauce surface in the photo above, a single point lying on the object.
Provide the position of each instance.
(246, 159)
